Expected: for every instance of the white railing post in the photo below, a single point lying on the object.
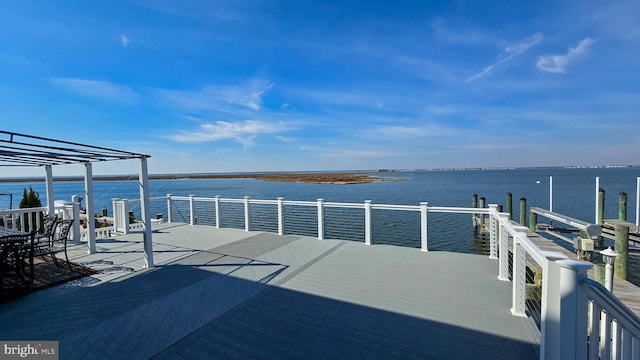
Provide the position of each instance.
(503, 250)
(125, 215)
(30, 219)
(247, 214)
(367, 222)
(280, 215)
(567, 308)
(551, 193)
(76, 219)
(116, 215)
(550, 307)
(320, 219)
(519, 273)
(597, 196)
(114, 208)
(21, 219)
(169, 208)
(217, 203)
(493, 231)
(192, 219)
(637, 203)
(423, 226)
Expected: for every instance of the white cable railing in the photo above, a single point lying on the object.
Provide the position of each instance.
(566, 308)
(331, 220)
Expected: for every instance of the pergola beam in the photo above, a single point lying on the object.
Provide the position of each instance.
(36, 149)
(23, 150)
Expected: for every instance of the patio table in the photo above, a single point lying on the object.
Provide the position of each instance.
(7, 245)
(6, 232)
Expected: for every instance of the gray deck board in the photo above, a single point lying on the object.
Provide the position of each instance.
(239, 295)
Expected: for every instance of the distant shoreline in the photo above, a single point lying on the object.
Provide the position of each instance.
(319, 177)
(333, 178)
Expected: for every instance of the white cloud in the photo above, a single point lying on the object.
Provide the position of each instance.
(244, 132)
(354, 99)
(219, 97)
(559, 63)
(96, 88)
(124, 40)
(508, 54)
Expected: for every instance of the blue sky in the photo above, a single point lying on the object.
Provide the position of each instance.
(211, 86)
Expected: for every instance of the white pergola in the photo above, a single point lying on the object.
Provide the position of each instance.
(29, 150)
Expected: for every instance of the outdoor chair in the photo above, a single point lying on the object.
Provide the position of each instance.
(49, 227)
(57, 243)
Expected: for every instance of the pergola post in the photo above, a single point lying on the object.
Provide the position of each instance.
(50, 196)
(88, 196)
(143, 178)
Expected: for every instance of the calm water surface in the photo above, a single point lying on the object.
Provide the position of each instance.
(574, 195)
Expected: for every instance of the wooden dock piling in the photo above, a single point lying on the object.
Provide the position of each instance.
(622, 248)
(523, 211)
(533, 221)
(599, 273)
(510, 205)
(622, 206)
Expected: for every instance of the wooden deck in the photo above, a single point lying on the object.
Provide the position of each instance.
(623, 289)
(224, 293)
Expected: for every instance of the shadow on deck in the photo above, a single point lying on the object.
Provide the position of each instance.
(229, 303)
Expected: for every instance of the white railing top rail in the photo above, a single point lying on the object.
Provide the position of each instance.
(227, 200)
(300, 203)
(516, 230)
(395, 207)
(593, 230)
(533, 250)
(173, 197)
(376, 206)
(458, 210)
(266, 202)
(23, 210)
(138, 200)
(344, 205)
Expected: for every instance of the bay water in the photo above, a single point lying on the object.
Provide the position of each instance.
(574, 194)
